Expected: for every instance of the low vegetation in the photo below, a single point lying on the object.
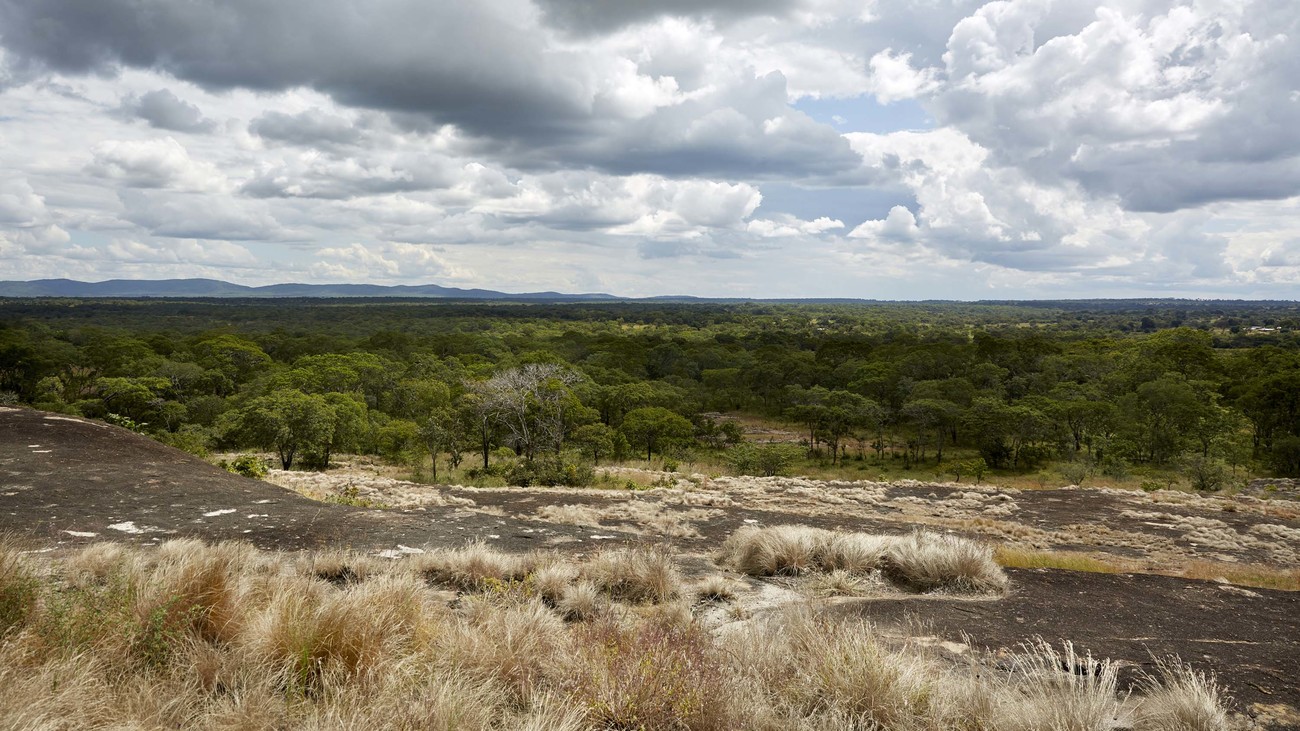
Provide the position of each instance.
(921, 561)
(190, 635)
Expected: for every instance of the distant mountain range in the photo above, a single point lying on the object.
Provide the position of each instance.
(217, 288)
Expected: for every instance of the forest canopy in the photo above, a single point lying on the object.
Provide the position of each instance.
(1202, 387)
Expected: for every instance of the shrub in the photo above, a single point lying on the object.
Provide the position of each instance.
(1205, 474)
(764, 460)
(248, 465)
(551, 472)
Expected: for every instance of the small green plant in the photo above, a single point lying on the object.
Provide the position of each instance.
(248, 465)
(351, 495)
(126, 422)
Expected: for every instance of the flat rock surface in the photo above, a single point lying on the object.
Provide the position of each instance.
(1250, 638)
(66, 482)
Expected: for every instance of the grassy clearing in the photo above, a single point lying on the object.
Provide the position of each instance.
(222, 636)
(1020, 558)
(922, 561)
(1253, 575)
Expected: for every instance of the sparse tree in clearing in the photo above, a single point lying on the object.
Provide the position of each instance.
(439, 433)
(287, 421)
(596, 440)
(534, 403)
(651, 427)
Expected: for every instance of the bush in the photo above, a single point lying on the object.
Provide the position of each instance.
(551, 472)
(764, 460)
(248, 465)
(189, 438)
(1075, 472)
(1205, 474)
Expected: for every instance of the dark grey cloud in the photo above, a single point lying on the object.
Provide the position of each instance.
(598, 16)
(309, 129)
(459, 62)
(479, 66)
(164, 110)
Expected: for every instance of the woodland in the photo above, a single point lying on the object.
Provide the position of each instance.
(1152, 393)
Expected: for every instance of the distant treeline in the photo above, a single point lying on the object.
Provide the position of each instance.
(1206, 386)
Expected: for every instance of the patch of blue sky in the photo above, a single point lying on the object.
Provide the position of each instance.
(865, 114)
(851, 206)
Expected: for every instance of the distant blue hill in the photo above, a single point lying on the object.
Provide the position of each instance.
(216, 288)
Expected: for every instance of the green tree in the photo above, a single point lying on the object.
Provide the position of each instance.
(651, 427)
(287, 421)
(595, 440)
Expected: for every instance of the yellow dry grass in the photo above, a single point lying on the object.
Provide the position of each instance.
(199, 636)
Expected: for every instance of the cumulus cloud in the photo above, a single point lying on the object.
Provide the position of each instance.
(391, 261)
(164, 110)
(899, 225)
(1165, 105)
(308, 128)
(161, 163)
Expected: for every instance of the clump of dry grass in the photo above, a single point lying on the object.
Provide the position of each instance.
(656, 675)
(634, 574)
(580, 602)
(716, 588)
(17, 588)
(927, 561)
(1060, 689)
(837, 583)
(338, 567)
(551, 582)
(783, 550)
(922, 561)
(515, 647)
(471, 567)
(307, 630)
(1179, 698)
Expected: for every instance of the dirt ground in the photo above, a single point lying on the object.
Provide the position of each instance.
(68, 482)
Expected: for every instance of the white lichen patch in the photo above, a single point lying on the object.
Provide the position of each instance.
(399, 552)
(81, 533)
(215, 513)
(126, 527)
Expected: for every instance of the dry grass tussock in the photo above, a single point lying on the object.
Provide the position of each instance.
(199, 636)
(922, 561)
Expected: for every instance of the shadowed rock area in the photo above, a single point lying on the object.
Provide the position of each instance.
(66, 482)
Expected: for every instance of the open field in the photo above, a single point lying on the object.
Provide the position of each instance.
(1080, 567)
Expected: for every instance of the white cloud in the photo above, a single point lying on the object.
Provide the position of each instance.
(388, 262)
(158, 163)
(899, 225)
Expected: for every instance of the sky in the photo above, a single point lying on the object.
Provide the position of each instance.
(884, 149)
